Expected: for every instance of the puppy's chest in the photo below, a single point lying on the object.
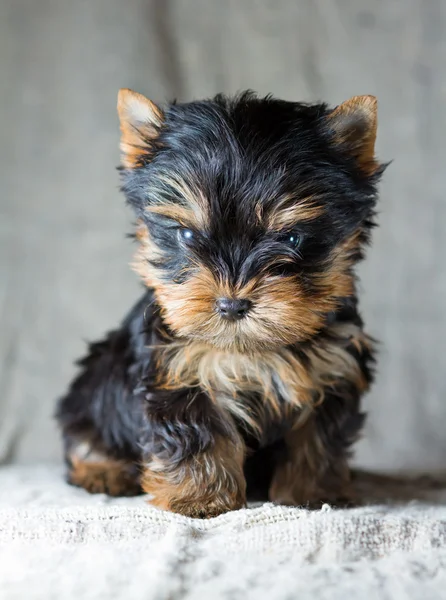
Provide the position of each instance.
(276, 379)
(270, 383)
(257, 390)
(271, 378)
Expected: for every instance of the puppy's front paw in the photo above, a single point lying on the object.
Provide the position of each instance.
(204, 507)
(200, 488)
(310, 493)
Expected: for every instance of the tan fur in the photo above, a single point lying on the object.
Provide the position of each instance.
(288, 212)
(140, 120)
(281, 313)
(228, 376)
(204, 486)
(180, 200)
(181, 214)
(309, 476)
(99, 474)
(355, 124)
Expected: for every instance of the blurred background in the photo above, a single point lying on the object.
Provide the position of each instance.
(64, 275)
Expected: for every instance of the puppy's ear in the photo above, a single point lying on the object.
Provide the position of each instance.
(140, 121)
(353, 125)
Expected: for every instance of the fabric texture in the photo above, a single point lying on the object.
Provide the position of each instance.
(60, 542)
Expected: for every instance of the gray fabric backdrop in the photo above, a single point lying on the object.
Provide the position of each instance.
(63, 255)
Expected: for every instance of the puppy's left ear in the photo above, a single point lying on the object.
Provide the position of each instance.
(353, 125)
(141, 121)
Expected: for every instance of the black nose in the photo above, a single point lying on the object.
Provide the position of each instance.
(232, 309)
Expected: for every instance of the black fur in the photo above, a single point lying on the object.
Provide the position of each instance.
(240, 153)
(113, 404)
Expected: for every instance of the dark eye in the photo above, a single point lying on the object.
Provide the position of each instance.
(186, 235)
(293, 239)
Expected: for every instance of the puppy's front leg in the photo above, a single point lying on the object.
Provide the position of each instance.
(309, 475)
(316, 468)
(193, 455)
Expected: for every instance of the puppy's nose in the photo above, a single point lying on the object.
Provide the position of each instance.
(232, 309)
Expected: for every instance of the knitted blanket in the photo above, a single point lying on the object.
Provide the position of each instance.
(59, 542)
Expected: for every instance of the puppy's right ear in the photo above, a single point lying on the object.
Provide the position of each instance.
(140, 121)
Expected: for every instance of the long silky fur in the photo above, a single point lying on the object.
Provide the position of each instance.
(187, 407)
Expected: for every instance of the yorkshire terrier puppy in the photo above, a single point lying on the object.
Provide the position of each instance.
(243, 364)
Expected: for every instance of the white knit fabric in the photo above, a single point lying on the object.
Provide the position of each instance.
(59, 542)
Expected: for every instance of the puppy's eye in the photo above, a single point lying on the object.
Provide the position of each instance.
(293, 239)
(185, 235)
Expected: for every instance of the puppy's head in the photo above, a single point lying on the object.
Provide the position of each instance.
(252, 212)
